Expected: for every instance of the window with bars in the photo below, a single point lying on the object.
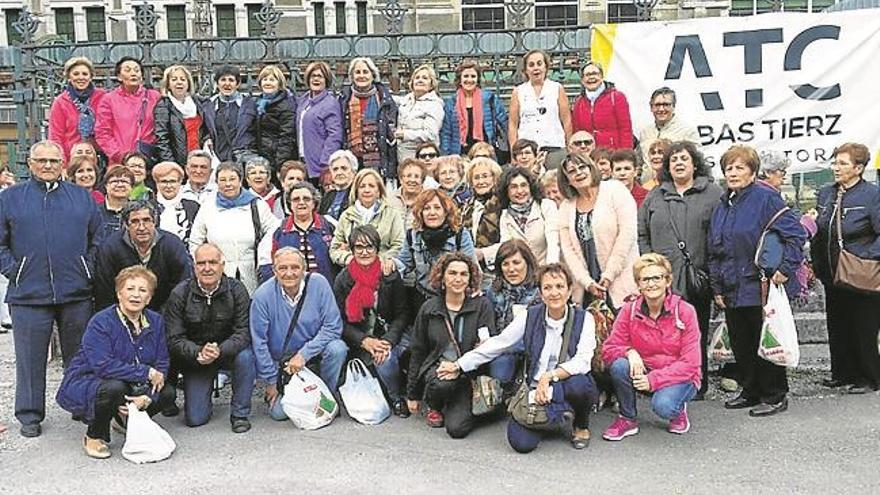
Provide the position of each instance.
(622, 12)
(255, 29)
(481, 15)
(751, 7)
(340, 17)
(64, 24)
(96, 24)
(361, 17)
(11, 34)
(319, 18)
(176, 21)
(556, 13)
(226, 21)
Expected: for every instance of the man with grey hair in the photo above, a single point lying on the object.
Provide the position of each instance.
(48, 230)
(140, 242)
(295, 322)
(200, 183)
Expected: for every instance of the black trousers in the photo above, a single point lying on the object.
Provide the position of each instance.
(111, 395)
(853, 322)
(453, 399)
(760, 379)
(704, 310)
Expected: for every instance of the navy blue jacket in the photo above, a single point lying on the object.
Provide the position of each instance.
(169, 261)
(319, 236)
(226, 143)
(108, 351)
(387, 124)
(736, 226)
(47, 238)
(860, 223)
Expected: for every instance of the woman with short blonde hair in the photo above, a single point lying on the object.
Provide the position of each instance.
(180, 126)
(72, 116)
(420, 114)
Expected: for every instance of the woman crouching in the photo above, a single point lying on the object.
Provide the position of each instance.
(557, 375)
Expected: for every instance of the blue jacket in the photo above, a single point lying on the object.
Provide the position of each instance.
(108, 351)
(319, 121)
(387, 124)
(169, 261)
(319, 324)
(47, 239)
(860, 223)
(450, 136)
(319, 236)
(416, 258)
(734, 231)
(226, 143)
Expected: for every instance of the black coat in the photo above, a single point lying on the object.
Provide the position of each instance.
(170, 131)
(169, 261)
(387, 124)
(227, 136)
(431, 338)
(391, 308)
(273, 134)
(327, 202)
(193, 319)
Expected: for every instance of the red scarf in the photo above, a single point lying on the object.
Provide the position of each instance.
(461, 110)
(363, 294)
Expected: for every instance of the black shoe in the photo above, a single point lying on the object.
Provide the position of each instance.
(740, 402)
(31, 431)
(400, 408)
(171, 411)
(832, 383)
(700, 396)
(762, 410)
(580, 443)
(240, 425)
(857, 390)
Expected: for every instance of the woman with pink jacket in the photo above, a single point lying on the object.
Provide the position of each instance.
(73, 113)
(654, 348)
(597, 232)
(125, 115)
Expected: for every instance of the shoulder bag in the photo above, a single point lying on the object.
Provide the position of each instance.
(283, 375)
(487, 393)
(696, 279)
(853, 272)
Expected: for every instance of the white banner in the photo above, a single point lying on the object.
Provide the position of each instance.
(801, 84)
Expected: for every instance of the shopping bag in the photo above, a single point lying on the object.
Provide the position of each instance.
(362, 395)
(308, 402)
(145, 441)
(779, 342)
(719, 348)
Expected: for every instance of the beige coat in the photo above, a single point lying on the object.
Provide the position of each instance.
(541, 233)
(615, 233)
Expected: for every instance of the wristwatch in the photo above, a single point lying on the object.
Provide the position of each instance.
(554, 377)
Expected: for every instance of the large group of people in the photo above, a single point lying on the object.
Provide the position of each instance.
(252, 236)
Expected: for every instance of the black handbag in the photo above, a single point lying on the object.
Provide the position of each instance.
(499, 141)
(283, 376)
(696, 279)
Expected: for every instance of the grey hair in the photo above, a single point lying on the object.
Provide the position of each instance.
(316, 196)
(772, 161)
(368, 62)
(224, 166)
(138, 205)
(209, 244)
(289, 250)
(348, 155)
(198, 154)
(253, 161)
(46, 143)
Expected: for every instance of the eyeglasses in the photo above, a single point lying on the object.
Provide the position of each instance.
(141, 221)
(580, 167)
(364, 249)
(652, 280)
(592, 73)
(168, 182)
(427, 156)
(583, 143)
(119, 182)
(136, 165)
(47, 161)
(662, 104)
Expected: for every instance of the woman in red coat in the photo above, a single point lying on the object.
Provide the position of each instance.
(602, 110)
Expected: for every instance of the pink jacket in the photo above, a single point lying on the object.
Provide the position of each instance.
(64, 120)
(669, 346)
(116, 130)
(615, 234)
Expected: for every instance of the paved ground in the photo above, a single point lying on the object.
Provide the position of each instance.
(826, 443)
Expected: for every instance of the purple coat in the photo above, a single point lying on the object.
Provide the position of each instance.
(319, 121)
(108, 352)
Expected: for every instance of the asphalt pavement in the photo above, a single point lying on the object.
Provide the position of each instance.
(827, 442)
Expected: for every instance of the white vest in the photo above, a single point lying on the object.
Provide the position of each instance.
(539, 115)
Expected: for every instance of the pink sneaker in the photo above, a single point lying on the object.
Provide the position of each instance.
(620, 429)
(680, 424)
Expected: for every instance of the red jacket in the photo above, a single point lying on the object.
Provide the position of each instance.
(669, 346)
(608, 120)
(639, 193)
(64, 120)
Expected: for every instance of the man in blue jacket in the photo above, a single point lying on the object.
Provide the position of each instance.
(47, 234)
(317, 333)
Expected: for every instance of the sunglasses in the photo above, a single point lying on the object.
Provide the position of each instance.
(583, 143)
(427, 156)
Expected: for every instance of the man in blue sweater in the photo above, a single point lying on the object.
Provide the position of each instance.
(317, 333)
(47, 236)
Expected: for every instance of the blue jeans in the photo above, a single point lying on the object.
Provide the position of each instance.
(503, 367)
(330, 363)
(666, 402)
(33, 330)
(389, 370)
(198, 385)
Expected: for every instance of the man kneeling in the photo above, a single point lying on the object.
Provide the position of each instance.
(207, 323)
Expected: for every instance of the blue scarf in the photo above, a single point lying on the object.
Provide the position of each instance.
(243, 199)
(86, 124)
(265, 100)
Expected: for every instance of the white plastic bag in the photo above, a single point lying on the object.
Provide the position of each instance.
(719, 347)
(145, 441)
(308, 402)
(779, 340)
(362, 395)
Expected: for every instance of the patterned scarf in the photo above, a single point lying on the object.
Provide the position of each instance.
(86, 123)
(363, 294)
(520, 213)
(360, 118)
(461, 111)
(508, 295)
